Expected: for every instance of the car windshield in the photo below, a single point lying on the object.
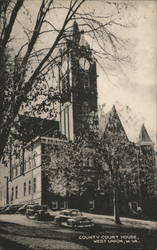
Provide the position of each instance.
(76, 213)
(71, 213)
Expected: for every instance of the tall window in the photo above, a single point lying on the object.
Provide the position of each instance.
(24, 189)
(62, 204)
(91, 204)
(88, 162)
(29, 187)
(84, 78)
(12, 194)
(34, 185)
(55, 204)
(16, 192)
(86, 82)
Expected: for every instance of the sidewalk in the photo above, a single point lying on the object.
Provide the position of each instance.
(128, 223)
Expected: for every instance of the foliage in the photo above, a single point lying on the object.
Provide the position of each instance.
(66, 167)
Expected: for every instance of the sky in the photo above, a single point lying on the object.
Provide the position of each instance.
(133, 84)
(136, 84)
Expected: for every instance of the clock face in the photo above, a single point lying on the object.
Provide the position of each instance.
(84, 63)
(64, 66)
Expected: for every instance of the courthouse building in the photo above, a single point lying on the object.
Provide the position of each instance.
(27, 181)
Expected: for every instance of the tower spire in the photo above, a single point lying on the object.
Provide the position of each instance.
(76, 33)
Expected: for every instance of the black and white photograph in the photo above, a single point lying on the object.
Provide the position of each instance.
(78, 124)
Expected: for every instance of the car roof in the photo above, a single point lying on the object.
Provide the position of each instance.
(70, 210)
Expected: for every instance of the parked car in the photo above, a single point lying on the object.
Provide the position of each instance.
(2, 209)
(11, 209)
(38, 212)
(73, 218)
(22, 209)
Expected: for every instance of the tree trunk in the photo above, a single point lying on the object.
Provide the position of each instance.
(116, 206)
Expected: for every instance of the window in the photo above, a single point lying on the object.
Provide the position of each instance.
(85, 162)
(84, 78)
(34, 185)
(91, 204)
(12, 194)
(86, 83)
(62, 204)
(55, 204)
(29, 187)
(16, 192)
(24, 189)
(134, 205)
(88, 162)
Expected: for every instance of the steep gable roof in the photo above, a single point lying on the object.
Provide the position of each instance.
(114, 124)
(144, 138)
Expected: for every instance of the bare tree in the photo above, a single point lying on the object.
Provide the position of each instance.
(18, 72)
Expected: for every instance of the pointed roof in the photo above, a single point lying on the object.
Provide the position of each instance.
(113, 121)
(144, 138)
(75, 26)
(76, 33)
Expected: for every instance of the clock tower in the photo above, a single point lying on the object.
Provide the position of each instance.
(78, 86)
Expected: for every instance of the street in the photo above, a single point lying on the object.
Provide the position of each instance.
(18, 232)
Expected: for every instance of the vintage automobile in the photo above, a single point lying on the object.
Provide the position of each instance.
(73, 218)
(2, 209)
(38, 212)
(10, 209)
(22, 209)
